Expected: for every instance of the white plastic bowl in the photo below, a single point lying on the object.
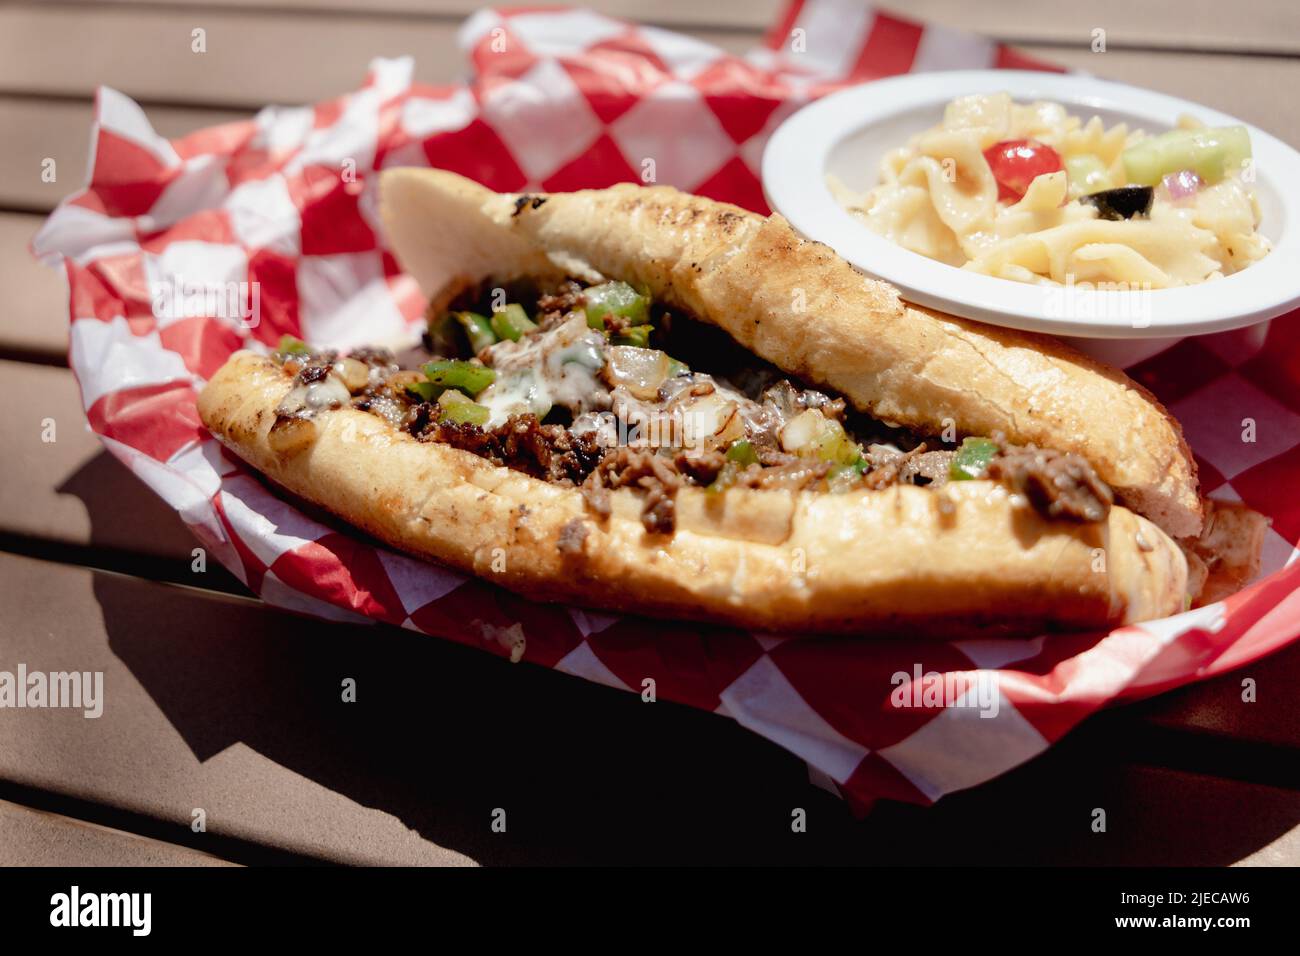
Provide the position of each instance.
(847, 133)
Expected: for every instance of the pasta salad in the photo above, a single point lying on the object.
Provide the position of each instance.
(1032, 193)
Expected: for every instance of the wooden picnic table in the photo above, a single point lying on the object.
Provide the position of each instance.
(216, 701)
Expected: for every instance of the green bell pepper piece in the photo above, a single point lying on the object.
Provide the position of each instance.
(478, 329)
(615, 298)
(512, 322)
(742, 453)
(293, 346)
(466, 376)
(444, 334)
(972, 459)
(850, 471)
(465, 413)
(427, 391)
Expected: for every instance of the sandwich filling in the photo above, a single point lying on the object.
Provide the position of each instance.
(597, 387)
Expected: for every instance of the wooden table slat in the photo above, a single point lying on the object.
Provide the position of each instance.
(1220, 706)
(1196, 24)
(283, 57)
(35, 838)
(738, 15)
(34, 323)
(71, 490)
(237, 710)
(1190, 24)
(249, 61)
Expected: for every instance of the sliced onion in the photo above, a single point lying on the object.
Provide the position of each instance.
(640, 371)
(733, 429)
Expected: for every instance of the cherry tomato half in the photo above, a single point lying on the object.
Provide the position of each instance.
(1016, 162)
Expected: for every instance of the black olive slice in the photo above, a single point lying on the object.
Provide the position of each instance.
(1122, 203)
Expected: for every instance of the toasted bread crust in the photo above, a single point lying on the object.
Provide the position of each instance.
(803, 308)
(906, 559)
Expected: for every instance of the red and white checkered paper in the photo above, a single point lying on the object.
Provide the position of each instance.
(563, 99)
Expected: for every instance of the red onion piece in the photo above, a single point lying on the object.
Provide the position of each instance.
(1182, 184)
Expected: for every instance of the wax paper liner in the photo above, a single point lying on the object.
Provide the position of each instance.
(177, 253)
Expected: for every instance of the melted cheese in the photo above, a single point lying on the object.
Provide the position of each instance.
(558, 367)
(305, 400)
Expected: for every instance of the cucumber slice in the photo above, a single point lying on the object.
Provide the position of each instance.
(1087, 174)
(1211, 153)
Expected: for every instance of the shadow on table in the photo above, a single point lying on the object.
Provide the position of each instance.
(442, 734)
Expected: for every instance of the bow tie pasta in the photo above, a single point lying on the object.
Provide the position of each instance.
(1031, 193)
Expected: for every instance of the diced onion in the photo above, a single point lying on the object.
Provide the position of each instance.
(812, 434)
(802, 431)
(709, 417)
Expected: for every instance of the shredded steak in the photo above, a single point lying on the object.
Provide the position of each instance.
(1058, 484)
(553, 308)
(549, 452)
(655, 474)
